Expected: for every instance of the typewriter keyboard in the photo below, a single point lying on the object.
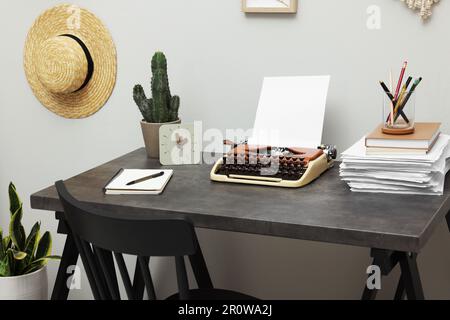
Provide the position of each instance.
(286, 168)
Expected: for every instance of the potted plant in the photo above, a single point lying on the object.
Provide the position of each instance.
(23, 259)
(161, 109)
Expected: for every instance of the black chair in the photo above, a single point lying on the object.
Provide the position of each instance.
(99, 237)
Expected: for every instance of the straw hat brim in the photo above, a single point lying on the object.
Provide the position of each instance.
(55, 22)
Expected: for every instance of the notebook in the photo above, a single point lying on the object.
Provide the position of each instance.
(118, 184)
(424, 137)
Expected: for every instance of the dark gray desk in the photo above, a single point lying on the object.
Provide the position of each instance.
(396, 227)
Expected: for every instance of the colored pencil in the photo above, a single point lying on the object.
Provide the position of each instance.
(408, 82)
(400, 79)
(391, 87)
(406, 99)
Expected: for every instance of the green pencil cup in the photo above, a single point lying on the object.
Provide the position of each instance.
(399, 114)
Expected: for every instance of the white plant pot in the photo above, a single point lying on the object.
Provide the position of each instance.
(33, 286)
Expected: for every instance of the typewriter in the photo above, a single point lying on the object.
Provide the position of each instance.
(273, 166)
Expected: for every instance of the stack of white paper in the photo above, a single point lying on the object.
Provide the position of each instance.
(404, 174)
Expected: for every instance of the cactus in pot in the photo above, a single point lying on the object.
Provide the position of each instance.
(21, 254)
(162, 107)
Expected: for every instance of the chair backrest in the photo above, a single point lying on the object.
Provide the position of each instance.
(99, 235)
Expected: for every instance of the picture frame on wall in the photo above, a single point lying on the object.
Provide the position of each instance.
(269, 6)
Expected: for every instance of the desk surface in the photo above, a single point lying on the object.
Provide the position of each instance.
(323, 211)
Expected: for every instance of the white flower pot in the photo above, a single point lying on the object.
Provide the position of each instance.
(33, 286)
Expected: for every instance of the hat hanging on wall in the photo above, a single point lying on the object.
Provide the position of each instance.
(70, 61)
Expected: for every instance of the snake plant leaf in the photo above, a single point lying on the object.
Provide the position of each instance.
(44, 246)
(22, 236)
(6, 242)
(11, 262)
(32, 241)
(4, 267)
(39, 263)
(44, 259)
(16, 230)
(18, 255)
(14, 200)
(32, 267)
(2, 249)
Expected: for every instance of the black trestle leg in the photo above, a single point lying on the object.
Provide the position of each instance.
(68, 258)
(411, 276)
(138, 281)
(400, 292)
(371, 294)
(448, 221)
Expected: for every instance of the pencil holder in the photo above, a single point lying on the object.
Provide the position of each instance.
(398, 115)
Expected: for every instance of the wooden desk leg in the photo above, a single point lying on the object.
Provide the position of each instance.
(68, 258)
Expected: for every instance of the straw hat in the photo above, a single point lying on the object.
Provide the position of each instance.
(70, 61)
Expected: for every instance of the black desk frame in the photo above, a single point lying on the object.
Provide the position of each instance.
(409, 283)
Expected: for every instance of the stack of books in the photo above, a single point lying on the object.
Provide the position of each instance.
(419, 143)
(409, 164)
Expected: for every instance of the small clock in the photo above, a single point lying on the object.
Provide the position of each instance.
(178, 144)
(269, 6)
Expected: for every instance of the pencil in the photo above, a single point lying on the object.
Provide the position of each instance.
(400, 79)
(391, 87)
(399, 100)
(389, 94)
(391, 97)
(408, 81)
(385, 88)
(405, 100)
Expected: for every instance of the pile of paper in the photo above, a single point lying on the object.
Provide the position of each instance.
(404, 174)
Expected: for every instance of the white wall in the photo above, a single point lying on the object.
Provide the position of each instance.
(217, 59)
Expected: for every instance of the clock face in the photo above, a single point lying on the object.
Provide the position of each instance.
(275, 6)
(178, 145)
(268, 3)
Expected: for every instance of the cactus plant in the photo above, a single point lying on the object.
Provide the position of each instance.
(162, 107)
(21, 254)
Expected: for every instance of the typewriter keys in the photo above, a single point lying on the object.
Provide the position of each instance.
(272, 166)
(284, 167)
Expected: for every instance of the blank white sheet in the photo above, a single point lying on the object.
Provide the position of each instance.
(291, 111)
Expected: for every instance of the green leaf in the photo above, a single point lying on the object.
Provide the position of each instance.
(6, 243)
(32, 241)
(4, 267)
(14, 200)
(2, 249)
(16, 231)
(44, 259)
(18, 255)
(39, 263)
(44, 246)
(19, 266)
(22, 236)
(32, 268)
(11, 264)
